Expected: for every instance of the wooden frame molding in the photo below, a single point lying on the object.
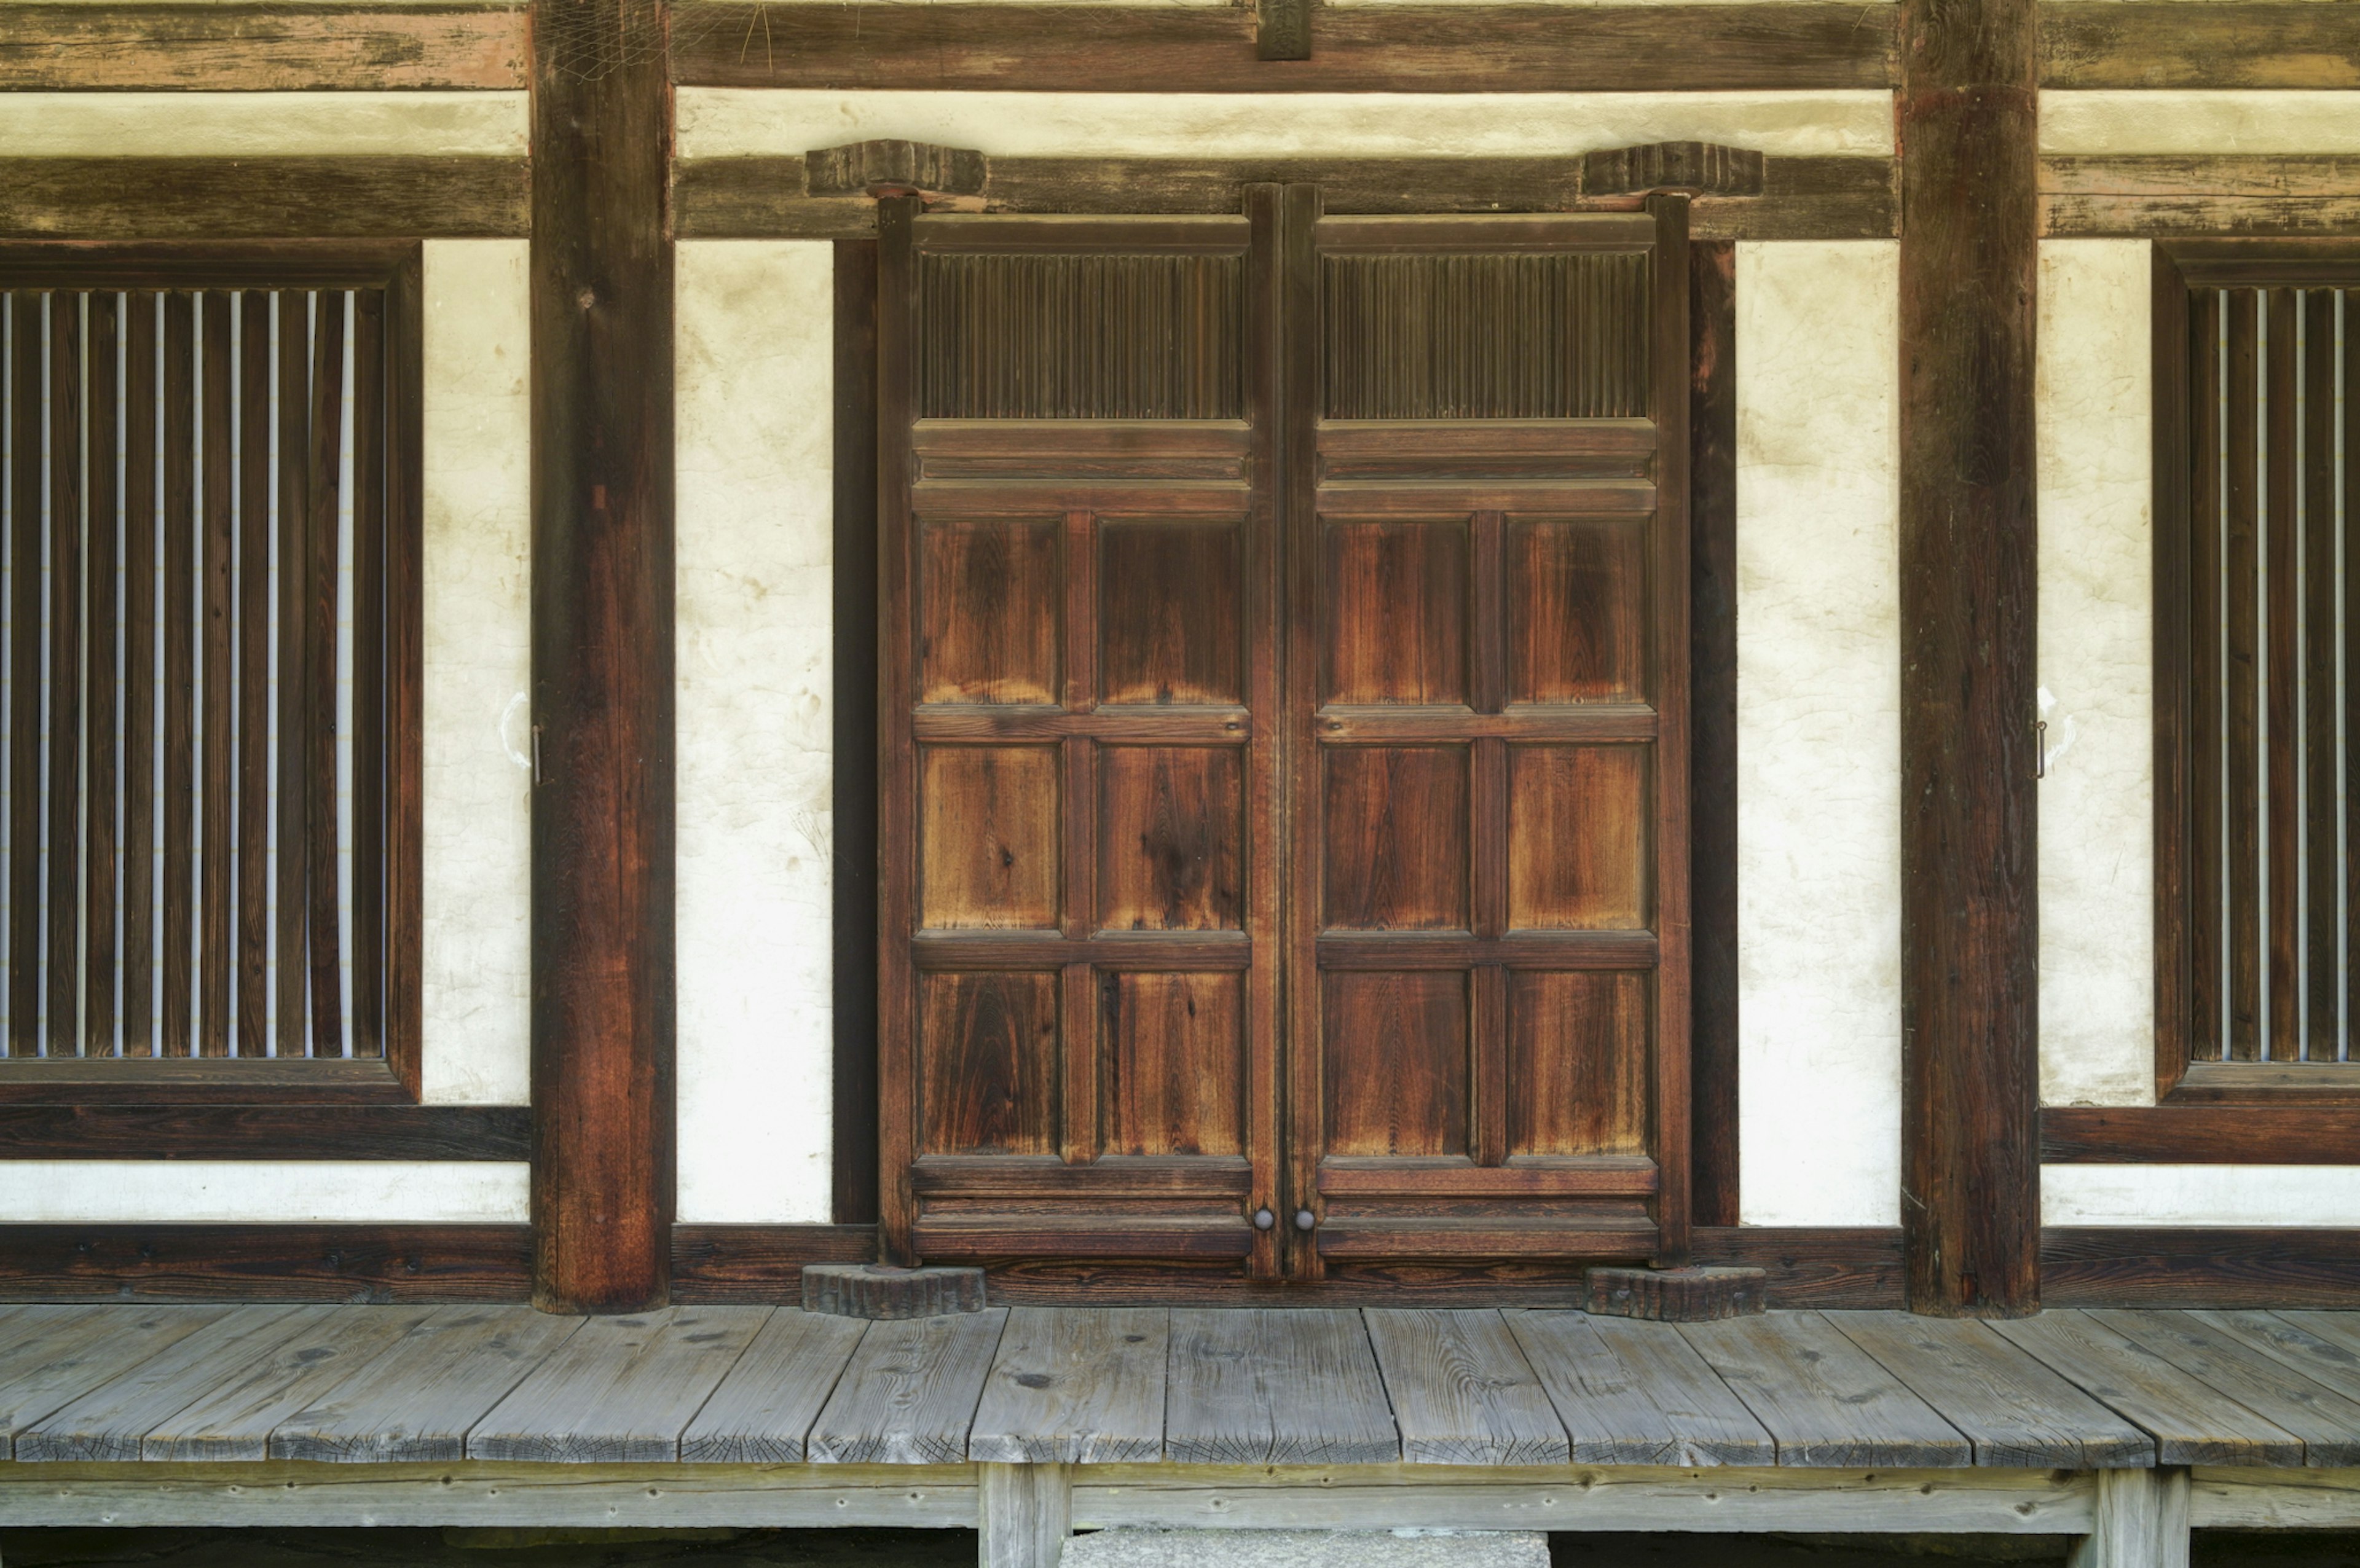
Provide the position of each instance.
(1971, 1181)
(602, 659)
(290, 47)
(266, 1132)
(263, 198)
(1391, 49)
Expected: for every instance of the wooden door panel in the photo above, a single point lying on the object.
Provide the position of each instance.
(1170, 838)
(1397, 621)
(1396, 852)
(988, 591)
(989, 837)
(989, 1052)
(1171, 612)
(1174, 1071)
(1577, 838)
(1578, 1062)
(1577, 599)
(1394, 1062)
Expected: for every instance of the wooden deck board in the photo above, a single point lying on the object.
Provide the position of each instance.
(57, 1353)
(113, 1419)
(621, 1389)
(1265, 1387)
(1462, 1392)
(2328, 1424)
(2011, 1407)
(910, 1395)
(416, 1400)
(2192, 1422)
(765, 1407)
(1075, 1385)
(1822, 1398)
(235, 1418)
(1636, 1393)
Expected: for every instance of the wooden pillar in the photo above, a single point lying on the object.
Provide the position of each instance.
(1024, 1512)
(1970, 1178)
(2141, 1522)
(602, 656)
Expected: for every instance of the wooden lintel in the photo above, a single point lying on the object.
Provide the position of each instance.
(260, 46)
(263, 198)
(1699, 168)
(894, 168)
(2236, 43)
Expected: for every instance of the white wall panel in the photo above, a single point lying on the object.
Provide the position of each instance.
(477, 742)
(235, 1192)
(225, 125)
(2200, 121)
(1819, 733)
(2096, 664)
(755, 377)
(2323, 1195)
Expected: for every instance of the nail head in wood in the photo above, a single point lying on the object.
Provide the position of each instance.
(893, 169)
(1701, 169)
(1677, 1295)
(881, 1290)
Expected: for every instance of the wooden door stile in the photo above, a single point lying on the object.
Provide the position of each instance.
(67, 529)
(27, 378)
(215, 545)
(98, 677)
(368, 937)
(1269, 370)
(252, 1005)
(177, 801)
(897, 901)
(1297, 435)
(142, 528)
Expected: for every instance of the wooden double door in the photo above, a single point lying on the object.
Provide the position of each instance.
(1284, 680)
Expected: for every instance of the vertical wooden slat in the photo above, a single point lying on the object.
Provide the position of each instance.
(1488, 985)
(291, 888)
(1712, 733)
(2283, 655)
(2322, 875)
(98, 684)
(368, 674)
(213, 570)
(2199, 622)
(179, 798)
(2240, 669)
(1078, 1023)
(404, 671)
(24, 677)
(62, 902)
(254, 675)
(1295, 431)
(140, 518)
(319, 674)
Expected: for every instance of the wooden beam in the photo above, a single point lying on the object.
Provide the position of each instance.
(2199, 1266)
(2161, 43)
(266, 1132)
(263, 198)
(265, 1262)
(602, 659)
(1712, 732)
(1970, 1188)
(1387, 49)
(246, 47)
(2199, 1135)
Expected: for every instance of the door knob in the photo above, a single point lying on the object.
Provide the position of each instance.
(1264, 1219)
(1305, 1219)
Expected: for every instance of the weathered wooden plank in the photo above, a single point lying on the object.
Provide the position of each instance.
(241, 1405)
(1275, 1388)
(2191, 1423)
(2327, 1421)
(909, 1397)
(2235, 174)
(1396, 49)
(2324, 1346)
(1636, 1393)
(2011, 1407)
(2156, 43)
(2250, 1498)
(2082, 214)
(51, 1354)
(1024, 1512)
(1821, 1399)
(1462, 1392)
(109, 1421)
(1075, 1386)
(770, 1397)
(260, 47)
(262, 198)
(2140, 1522)
(418, 1399)
(620, 1389)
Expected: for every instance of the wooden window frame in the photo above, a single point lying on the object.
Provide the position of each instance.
(268, 1109)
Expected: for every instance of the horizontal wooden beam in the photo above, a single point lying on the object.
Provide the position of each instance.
(2199, 1135)
(243, 47)
(263, 198)
(2231, 43)
(201, 1080)
(1388, 49)
(271, 1263)
(2173, 195)
(759, 1263)
(266, 1132)
(2191, 1265)
(1802, 198)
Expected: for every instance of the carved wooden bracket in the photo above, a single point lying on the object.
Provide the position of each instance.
(893, 169)
(1283, 29)
(1700, 169)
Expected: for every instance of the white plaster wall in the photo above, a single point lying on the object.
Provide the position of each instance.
(1819, 733)
(755, 369)
(720, 122)
(309, 1191)
(477, 740)
(2225, 121)
(2097, 805)
(225, 125)
(2320, 1195)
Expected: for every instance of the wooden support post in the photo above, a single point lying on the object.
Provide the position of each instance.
(602, 656)
(1971, 1178)
(2141, 1522)
(1024, 1513)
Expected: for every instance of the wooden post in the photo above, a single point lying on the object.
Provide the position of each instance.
(1024, 1514)
(1970, 1178)
(2141, 1522)
(602, 656)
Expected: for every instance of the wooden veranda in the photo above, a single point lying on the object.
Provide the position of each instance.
(2125, 1427)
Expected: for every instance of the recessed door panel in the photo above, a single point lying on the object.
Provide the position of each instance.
(1170, 838)
(989, 832)
(1171, 612)
(1175, 1064)
(989, 594)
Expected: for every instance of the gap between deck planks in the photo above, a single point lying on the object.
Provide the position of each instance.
(2069, 1391)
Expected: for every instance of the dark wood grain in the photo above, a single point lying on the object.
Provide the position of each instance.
(602, 659)
(275, 48)
(1401, 49)
(293, 843)
(1969, 927)
(292, 1262)
(366, 939)
(405, 664)
(98, 678)
(176, 800)
(253, 480)
(67, 529)
(2282, 842)
(1836, 1266)
(2200, 1135)
(142, 524)
(2200, 1266)
(1712, 733)
(853, 814)
(216, 548)
(2241, 674)
(2149, 43)
(317, 760)
(2185, 337)
(758, 1262)
(898, 329)
(28, 376)
(264, 1132)
(2321, 654)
